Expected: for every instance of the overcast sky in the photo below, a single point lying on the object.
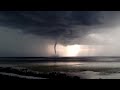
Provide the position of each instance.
(33, 33)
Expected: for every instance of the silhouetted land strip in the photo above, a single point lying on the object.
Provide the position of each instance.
(59, 59)
(5, 77)
(26, 72)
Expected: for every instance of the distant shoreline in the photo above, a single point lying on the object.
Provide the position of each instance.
(59, 59)
(69, 57)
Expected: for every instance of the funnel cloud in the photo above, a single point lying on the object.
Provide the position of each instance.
(46, 33)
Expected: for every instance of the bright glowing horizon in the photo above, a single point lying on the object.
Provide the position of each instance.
(73, 50)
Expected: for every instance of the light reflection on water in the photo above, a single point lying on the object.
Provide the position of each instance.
(67, 64)
(57, 63)
(80, 64)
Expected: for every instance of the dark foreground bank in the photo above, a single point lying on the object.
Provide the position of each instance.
(10, 73)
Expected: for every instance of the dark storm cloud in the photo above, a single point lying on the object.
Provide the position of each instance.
(56, 24)
(27, 33)
(50, 24)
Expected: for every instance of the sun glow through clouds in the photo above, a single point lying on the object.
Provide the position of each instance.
(72, 50)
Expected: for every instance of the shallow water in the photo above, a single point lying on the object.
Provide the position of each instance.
(89, 70)
(77, 64)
